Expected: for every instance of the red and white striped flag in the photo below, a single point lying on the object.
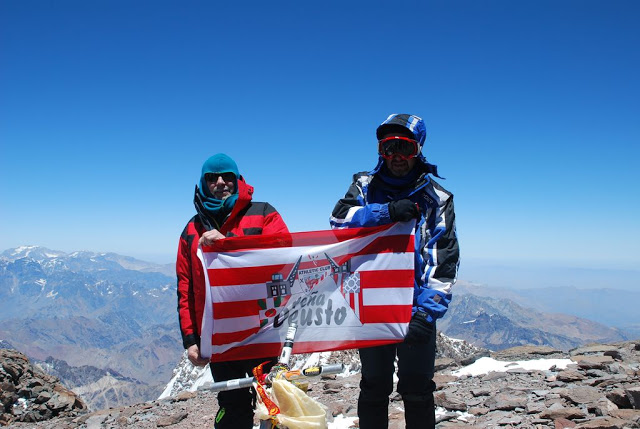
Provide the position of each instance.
(346, 288)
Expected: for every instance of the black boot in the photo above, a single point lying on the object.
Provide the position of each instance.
(420, 414)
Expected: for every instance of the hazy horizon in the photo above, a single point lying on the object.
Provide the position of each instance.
(510, 274)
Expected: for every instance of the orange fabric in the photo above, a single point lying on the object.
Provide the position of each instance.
(260, 376)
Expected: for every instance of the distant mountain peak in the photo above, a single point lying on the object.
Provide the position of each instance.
(37, 253)
(86, 258)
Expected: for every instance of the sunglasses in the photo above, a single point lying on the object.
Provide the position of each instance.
(213, 177)
(403, 147)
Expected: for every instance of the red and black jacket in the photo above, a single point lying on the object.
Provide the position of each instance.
(246, 218)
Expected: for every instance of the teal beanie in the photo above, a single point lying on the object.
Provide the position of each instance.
(215, 208)
(218, 163)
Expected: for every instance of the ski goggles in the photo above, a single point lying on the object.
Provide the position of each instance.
(213, 177)
(403, 147)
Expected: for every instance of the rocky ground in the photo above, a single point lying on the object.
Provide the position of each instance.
(601, 389)
(30, 395)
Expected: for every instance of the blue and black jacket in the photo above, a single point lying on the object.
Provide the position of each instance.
(437, 255)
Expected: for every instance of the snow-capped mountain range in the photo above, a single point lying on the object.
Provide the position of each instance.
(92, 309)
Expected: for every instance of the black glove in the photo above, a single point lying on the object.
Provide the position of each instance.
(420, 331)
(403, 210)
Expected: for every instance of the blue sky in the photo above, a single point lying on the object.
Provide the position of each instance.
(109, 108)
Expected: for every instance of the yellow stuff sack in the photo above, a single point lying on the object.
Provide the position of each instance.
(297, 410)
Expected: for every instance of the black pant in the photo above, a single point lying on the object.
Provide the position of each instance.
(415, 384)
(236, 406)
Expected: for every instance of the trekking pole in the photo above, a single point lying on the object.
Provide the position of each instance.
(281, 369)
(287, 347)
(239, 383)
(285, 354)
